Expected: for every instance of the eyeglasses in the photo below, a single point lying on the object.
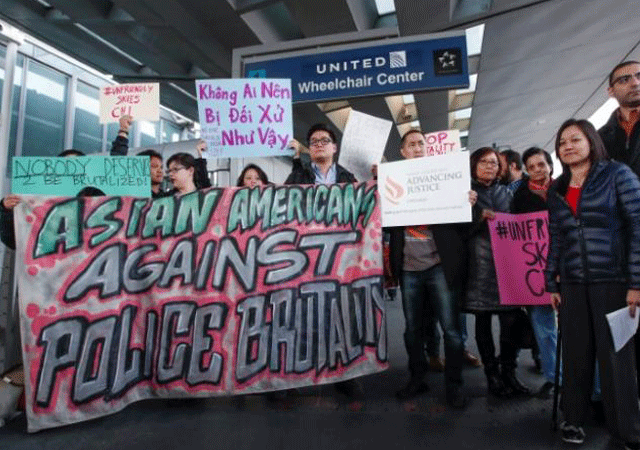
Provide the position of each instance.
(323, 141)
(488, 162)
(175, 169)
(624, 79)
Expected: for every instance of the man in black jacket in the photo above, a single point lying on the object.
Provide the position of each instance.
(621, 134)
(419, 269)
(322, 169)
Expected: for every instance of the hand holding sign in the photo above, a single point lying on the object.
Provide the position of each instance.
(125, 124)
(633, 300)
(10, 201)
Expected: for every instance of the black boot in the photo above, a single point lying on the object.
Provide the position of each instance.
(511, 381)
(494, 382)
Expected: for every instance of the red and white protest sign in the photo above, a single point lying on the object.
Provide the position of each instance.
(218, 292)
(141, 101)
(442, 142)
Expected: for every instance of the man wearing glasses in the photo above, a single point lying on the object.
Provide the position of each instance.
(322, 169)
(621, 134)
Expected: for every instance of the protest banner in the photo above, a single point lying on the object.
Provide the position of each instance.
(442, 142)
(520, 243)
(363, 143)
(425, 191)
(242, 118)
(139, 100)
(219, 292)
(113, 175)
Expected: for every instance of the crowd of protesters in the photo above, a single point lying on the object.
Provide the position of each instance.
(445, 271)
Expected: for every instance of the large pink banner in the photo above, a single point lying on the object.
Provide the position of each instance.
(520, 244)
(219, 292)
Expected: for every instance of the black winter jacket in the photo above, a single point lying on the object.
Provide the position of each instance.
(482, 292)
(602, 242)
(303, 174)
(525, 201)
(617, 145)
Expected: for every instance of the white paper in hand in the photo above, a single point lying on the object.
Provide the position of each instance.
(622, 326)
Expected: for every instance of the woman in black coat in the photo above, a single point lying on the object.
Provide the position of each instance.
(482, 292)
(593, 268)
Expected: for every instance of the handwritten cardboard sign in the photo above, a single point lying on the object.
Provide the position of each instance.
(425, 191)
(363, 143)
(140, 100)
(113, 175)
(245, 117)
(442, 142)
(520, 244)
(219, 292)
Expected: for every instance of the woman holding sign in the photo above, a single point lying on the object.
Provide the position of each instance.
(187, 173)
(482, 293)
(593, 268)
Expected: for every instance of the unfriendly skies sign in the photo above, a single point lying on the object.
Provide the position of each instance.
(397, 65)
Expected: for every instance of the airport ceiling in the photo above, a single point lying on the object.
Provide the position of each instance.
(542, 61)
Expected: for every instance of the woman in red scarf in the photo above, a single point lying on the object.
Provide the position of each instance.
(531, 196)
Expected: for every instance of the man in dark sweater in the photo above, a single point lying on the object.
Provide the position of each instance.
(621, 134)
(417, 265)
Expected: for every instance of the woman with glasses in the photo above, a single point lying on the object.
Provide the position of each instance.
(482, 292)
(593, 268)
(187, 173)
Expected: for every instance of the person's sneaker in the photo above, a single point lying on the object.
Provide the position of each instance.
(415, 387)
(572, 434)
(632, 446)
(546, 391)
(436, 364)
(471, 359)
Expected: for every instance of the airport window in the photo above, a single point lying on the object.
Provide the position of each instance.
(45, 111)
(170, 132)
(87, 130)
(17, 86)
(148, 133)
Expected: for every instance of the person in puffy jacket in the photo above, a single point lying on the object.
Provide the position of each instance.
(593, 268)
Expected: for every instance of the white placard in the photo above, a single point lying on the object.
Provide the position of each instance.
(425, 191)
(363, 143)
(140, 101)
(622, 326)
(245, 117)
(442, 142)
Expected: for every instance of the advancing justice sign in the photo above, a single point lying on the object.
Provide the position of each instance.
(399, 65)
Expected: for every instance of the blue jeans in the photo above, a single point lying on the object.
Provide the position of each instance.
(543, 322)
(430, 287)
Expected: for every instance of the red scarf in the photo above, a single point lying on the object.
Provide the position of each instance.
(539, 189)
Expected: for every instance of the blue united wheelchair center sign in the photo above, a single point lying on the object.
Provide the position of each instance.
(398, 65)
